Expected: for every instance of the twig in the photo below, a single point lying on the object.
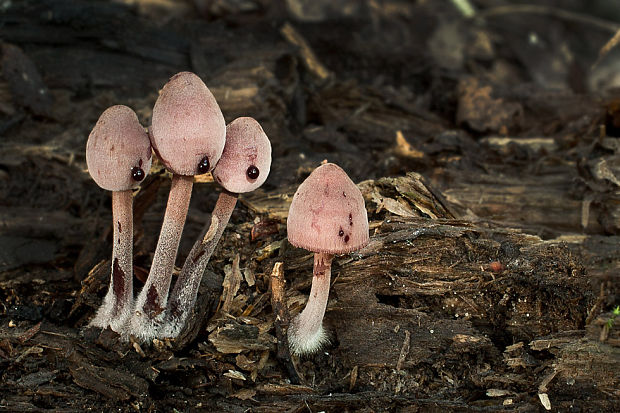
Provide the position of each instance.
(550, 11)
(282, 319)
(309, 59)
(404, 351)
(611, 43)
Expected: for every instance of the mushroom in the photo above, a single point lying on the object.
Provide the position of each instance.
(118, 155)
(188, 133)
(327, 216)
(243, 167)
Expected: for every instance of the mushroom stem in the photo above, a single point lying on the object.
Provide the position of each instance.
(154, 294)
(306, 333)
(117, 304)
(183, 296)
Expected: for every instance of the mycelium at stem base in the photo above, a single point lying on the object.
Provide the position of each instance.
(183, 296)
(306, 334)
(118, 302)
(152, 299)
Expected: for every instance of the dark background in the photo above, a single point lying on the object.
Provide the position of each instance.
(510, 113)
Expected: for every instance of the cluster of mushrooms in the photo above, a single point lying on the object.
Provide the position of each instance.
(189, 136)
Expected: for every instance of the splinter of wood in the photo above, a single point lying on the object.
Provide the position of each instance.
(282, 321)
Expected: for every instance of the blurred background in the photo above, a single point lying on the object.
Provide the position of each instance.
(453, 89)
(495, 113)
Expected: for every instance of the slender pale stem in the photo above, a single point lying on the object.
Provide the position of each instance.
(118, 301)
(306, 334)
(183, 296)
(154, 295)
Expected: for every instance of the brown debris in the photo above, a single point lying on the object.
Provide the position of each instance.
(282, 320)
(478, 109)
(112, 383)
(488, 160)
(233, 337)
(263, 229)
(28, 334)
(231, 284)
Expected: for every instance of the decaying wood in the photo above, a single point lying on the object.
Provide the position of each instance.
(492, 269)
(282, 320)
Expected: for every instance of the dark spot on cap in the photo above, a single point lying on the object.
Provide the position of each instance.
(252, 172)
(137, 174)
(350, 219)
(203, 165)
(343, 194)
(340, 233)
(346, 239)
(120, 227)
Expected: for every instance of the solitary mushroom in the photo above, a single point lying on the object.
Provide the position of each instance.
(188, 133)
(327, 216)
(118, 155)
(243, 167)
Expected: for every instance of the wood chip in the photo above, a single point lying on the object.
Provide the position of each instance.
(544, 400)
(234, 374)
(28, 334)
(112, 383)
(234, 338)
(404, 350)
(244, 394)
(231, 284)
(481, 111)
(498, 392)
(353, 379)
(283, 389)
(405, 149)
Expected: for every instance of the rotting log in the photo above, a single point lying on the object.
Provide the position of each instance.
(436, 312)
(436, 304)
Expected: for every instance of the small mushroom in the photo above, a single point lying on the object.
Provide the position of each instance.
(243, 167)
(327, 216)
(188, 133)
(118, 155)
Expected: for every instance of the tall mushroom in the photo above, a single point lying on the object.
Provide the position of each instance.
(118, 155)
(243, 167)
(327, 216)
(188, 133)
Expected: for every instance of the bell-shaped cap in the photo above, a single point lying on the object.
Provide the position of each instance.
(328, 213)
(246, 160)
(118, 151)
(187, 126)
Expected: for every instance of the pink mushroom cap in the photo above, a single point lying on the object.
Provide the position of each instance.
(117, 147)
(328, 213)
(187, 126)
(246, 160)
